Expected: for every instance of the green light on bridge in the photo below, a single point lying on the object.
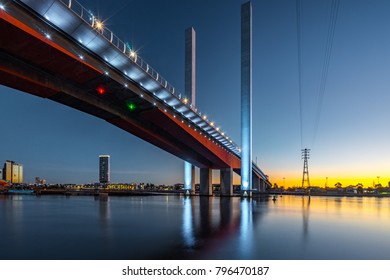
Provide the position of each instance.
(131, 106)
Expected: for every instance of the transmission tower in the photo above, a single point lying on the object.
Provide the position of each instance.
(305, 176)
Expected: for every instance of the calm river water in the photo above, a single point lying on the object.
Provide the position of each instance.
(174, 227)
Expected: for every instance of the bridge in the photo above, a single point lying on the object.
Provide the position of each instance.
(59, 50)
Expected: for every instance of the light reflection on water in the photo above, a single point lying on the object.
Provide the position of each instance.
(176, 227)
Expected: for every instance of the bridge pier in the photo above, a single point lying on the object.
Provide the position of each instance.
(246, 98)
(226, 181)
(190, 64)
(262, 185)
(206, 185)
(256, 181)
(189, 178)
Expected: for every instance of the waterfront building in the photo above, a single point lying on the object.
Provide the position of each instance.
(39, 181)
(104, 169)
(13, 172)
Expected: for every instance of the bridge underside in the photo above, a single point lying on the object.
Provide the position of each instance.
(32, 63)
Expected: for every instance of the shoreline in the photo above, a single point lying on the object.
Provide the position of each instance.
(111, 192)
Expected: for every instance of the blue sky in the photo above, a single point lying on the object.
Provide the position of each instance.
(351, 145)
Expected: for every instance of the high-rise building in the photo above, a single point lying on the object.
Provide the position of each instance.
(8, 170)
(13, 172)
(104, 169)
(20, 174)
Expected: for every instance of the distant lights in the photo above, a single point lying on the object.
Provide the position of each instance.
(2, 7)
(212, 123)
(106, 73)
(48, 36)
(185, 100)
(81, 57)
(204, 117)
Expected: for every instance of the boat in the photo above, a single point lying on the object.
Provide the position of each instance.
(21, 191)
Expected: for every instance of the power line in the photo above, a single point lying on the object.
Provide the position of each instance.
(299, 47)
(335, 4)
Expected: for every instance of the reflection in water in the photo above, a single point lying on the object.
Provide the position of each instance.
(305, 215)
(207, 226)
(246, 228)
(188, 229)
(104, 211)
(56, 227)
(225, 211)
(107, 235)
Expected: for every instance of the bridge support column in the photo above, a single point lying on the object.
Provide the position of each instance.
(226, 181)
(189, 178)
(189, 83)
(206, 185)
(256, 183)
(246, 98)
(262, 185)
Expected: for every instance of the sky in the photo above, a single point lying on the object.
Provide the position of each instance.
(349, 144)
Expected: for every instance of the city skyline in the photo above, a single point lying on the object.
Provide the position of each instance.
(347, 147)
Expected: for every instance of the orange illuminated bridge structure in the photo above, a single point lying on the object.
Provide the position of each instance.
(56, 49)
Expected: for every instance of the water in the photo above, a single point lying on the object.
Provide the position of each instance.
(173, 227)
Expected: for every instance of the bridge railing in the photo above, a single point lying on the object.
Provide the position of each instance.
(124, 47)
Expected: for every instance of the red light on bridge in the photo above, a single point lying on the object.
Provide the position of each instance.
(101, 90)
